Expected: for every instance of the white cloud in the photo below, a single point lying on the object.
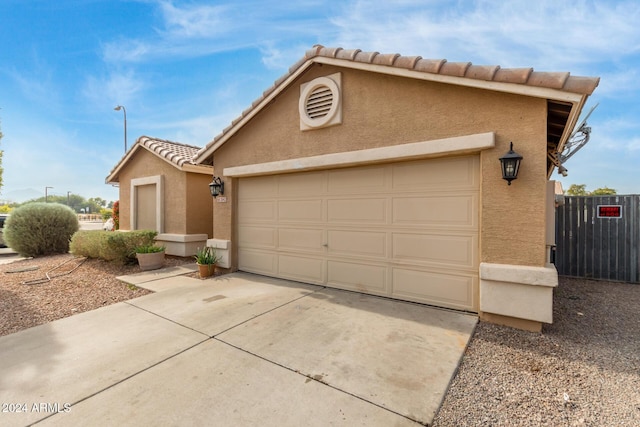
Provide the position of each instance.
(117, 87)
(125, 50)
(195, 20)
(546, 34)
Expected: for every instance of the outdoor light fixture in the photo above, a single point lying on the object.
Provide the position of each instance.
(510, 163)
(216, 187)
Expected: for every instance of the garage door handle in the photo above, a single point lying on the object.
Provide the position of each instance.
(325, 245)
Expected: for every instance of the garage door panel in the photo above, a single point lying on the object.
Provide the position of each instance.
(367, 278)
(264, 187)
(304, 269)
(300, 210)
(301, 184)
(257, 210)
(442, 174)
(445, 289)
(264, 237)
(455, 251)
(360, 210)
(358, 243)
(301, 239)
(436, 211)
(255, 261)
(369, 180)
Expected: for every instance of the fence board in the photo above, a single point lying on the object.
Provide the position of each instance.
(599, 248)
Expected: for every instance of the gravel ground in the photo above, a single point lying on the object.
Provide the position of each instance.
(584, 370)
(91, 285)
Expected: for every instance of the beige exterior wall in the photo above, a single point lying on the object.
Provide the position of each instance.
(199, 204)
(382, 110)
(188, 204)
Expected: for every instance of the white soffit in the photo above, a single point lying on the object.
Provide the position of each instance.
(416, 150)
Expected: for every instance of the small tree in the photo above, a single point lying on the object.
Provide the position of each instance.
(577, 190)
(581, 190)
(604, 191)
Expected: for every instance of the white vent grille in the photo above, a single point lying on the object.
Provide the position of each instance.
(319, 102)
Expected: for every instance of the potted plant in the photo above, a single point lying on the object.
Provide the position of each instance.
(206, 259)
(150, 257)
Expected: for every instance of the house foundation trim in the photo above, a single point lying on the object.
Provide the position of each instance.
(518, 291)
(183, 245)
(416, 150)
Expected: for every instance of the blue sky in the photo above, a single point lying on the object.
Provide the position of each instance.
(185, 69)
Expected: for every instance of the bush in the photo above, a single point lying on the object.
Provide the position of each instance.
(106, 214)
(40, 229)
(110, 246)
(116, 215)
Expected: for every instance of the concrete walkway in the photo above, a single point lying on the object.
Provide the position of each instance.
(239, 349)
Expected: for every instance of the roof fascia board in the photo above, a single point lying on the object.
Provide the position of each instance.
(205, 170)
(411, 151)
(112, 176)
(519, 89)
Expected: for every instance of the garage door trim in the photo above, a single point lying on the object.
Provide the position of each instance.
(412, 151)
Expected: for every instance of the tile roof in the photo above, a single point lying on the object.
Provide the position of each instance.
(563, 81)
(180, 155)
(525, 76)
(175, 152)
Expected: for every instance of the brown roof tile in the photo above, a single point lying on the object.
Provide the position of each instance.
(175, 152)
(431, 66)
(579, 84)
(550, 80)
(456, 69)
(482, 72)
(348, 54)
(385, 59)
(406, 61)
(366, 57)
(512, 75)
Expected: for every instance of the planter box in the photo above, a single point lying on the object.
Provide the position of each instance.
(206, 270)
(151, 261)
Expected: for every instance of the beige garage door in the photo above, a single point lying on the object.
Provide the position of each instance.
(405, 230)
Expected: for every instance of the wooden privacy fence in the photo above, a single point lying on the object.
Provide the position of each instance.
(597, 237)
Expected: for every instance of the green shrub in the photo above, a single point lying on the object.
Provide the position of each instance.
(206, 256)
(106, 214)
(111, 246)
(40, 229)
(149, 249)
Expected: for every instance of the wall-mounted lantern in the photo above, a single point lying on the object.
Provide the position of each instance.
(216, 187)
(510, 163)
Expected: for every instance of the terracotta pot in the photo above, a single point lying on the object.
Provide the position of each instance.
(206, 270)
(151, 261)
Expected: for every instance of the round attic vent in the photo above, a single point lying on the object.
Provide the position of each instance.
(319, 102)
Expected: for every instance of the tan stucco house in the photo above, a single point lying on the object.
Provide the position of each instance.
(161, 189)
(380, 173)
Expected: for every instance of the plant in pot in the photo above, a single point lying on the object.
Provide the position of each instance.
(206, 259)
(150, 257)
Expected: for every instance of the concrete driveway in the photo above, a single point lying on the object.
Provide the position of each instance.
(240, 349)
